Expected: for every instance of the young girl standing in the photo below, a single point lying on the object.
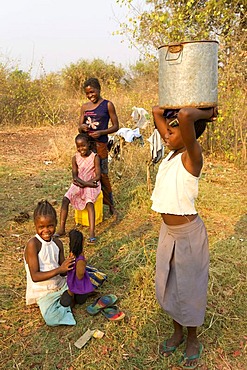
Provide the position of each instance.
(86, 186)
(78, 280)
(94, 119)
(182, 259)
(45, 266)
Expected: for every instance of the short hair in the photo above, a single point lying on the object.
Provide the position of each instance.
(75, 242)
(94, 82)
(44, 208)
(84, 136)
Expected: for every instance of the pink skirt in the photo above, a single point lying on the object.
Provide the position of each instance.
(79, 197)
(182, 264)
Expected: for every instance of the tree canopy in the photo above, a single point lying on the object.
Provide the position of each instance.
(159, 22)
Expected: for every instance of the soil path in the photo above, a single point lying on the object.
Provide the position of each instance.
(35, 148)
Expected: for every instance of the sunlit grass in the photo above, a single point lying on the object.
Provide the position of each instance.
(126, 251)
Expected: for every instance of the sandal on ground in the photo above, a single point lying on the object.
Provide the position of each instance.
(166, 351)
(186, 359)
(101, 303)
(91, 240)
(113, 313)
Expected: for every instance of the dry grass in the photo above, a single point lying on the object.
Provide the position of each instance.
(126, 252)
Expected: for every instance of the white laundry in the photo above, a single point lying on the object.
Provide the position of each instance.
(156, 146)
(140, 116)
(128, 134)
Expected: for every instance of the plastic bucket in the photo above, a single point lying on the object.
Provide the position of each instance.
(188, 74)
(81, 217)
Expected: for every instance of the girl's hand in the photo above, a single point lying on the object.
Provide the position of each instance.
(212, 111)
(93, 183)
(67, 264)
(215, 113)
(77, 183)
(84, 127)
(95, 134)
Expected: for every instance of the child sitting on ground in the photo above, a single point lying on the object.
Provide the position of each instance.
(86, 186)
(78, 280)
(45, 264)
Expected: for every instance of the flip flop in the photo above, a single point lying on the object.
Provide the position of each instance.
(113, 313)
(166, 351)
(91, 240)
(101, 303)
(191, 358)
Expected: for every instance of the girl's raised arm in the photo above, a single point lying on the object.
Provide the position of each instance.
(187, 117)
(159, 121)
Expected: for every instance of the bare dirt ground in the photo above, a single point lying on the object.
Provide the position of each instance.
(31, 147)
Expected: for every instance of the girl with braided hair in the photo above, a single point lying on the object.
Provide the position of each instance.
(46, 268)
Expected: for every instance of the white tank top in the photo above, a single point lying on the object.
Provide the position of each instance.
(48, 257)
(175, 188)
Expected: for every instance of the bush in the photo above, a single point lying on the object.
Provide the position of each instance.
(75, 74)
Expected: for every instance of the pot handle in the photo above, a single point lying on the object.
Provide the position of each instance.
(174, 49)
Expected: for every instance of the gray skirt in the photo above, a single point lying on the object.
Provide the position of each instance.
(182, 264)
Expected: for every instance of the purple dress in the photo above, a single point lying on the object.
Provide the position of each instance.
(76, 285)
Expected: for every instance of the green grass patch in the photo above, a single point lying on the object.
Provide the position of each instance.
(126, 252)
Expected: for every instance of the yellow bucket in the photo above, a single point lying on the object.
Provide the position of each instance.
(81, 217)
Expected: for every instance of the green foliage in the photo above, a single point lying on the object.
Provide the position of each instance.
(76, 73)
(158, 22)
(31, 102)
(145, 69)
(126, 252)
(55, 98)
(155, 23)
(14, 94)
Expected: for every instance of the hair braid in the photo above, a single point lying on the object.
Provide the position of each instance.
(75, 242)
(44, 208)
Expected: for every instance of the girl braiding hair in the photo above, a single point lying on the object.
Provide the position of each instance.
(46, 268)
